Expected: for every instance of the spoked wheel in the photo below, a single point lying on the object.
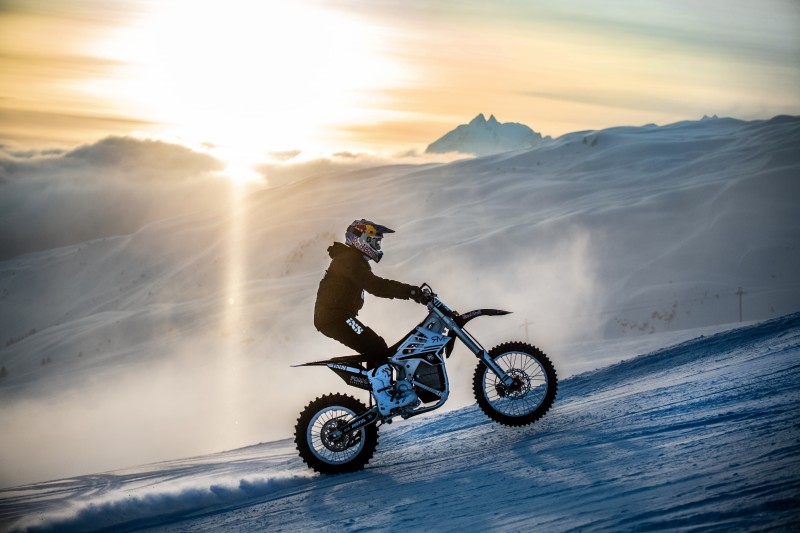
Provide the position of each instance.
(318, 442)
(529, 397)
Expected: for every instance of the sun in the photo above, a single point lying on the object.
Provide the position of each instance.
(248, 77)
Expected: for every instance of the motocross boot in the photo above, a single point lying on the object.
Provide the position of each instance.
(387, 395)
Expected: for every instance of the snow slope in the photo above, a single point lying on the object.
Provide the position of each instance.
(176, 340)
(702, 435)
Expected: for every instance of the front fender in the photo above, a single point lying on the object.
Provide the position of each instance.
(462, 319)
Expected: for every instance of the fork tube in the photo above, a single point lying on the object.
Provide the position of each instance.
(505, 378)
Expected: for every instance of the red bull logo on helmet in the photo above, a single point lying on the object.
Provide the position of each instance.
(367, 229)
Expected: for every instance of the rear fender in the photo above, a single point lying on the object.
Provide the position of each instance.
(348, 368)
(355, 377)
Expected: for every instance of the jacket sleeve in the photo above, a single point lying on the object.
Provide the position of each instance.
(387, 288)
(361, 274)
(356, 270)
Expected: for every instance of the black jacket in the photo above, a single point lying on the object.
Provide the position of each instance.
(348, 276)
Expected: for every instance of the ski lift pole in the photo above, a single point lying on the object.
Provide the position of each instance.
(741, 293)
(525, 325)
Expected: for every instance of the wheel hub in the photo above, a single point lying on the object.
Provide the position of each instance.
(340, 442)
(518, 389)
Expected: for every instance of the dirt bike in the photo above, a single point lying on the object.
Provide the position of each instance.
(514, 384)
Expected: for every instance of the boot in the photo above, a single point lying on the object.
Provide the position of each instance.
(386, 395)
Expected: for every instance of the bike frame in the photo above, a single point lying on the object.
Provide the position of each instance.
(427, 342)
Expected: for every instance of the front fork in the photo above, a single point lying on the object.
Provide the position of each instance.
(480, 353)
(507, 380)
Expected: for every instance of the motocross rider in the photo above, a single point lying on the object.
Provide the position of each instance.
(341, 295)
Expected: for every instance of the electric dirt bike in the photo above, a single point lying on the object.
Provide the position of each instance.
(514, 384)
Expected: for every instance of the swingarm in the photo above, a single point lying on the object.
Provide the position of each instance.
(364, 419)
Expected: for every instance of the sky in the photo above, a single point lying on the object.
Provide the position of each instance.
(250, 81)
(115, 114)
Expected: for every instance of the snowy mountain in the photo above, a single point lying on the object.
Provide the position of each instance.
(175, 339)
(698, 436)
(486, 137)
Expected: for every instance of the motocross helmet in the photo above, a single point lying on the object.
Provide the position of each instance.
(365, 236)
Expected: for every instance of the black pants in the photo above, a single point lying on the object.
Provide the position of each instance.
(352, 333)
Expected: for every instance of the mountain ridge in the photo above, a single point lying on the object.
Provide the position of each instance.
(486, 137)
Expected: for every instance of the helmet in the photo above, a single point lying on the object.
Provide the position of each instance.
(365, 236)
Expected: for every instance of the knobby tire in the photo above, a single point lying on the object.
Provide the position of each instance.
(333, 409)
(530, 399)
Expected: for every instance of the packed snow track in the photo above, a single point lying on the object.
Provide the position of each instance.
(702, 435)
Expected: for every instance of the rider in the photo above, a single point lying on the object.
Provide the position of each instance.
(341, 295)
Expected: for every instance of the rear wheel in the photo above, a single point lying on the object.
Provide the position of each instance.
(325, 451)
(529, 397)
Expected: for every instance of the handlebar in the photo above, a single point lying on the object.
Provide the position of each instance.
(427, 294)
(430, 299)
(427, 289)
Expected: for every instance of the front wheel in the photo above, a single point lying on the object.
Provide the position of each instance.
(321, 448)
(529, 397)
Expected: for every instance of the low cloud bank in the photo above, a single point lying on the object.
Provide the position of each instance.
(291, 166)
(51, 198)
(55, 198)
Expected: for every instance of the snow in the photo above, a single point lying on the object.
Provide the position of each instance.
(701, 435)
(175, 338)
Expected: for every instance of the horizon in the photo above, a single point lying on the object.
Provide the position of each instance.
(249, 84)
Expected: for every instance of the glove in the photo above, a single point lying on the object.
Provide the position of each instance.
(415, 294)
(420, 296)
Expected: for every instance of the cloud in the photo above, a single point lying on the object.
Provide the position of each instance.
(298, 169)
(285, 155)
(115, 186)
(124, 158)
(146, 159)
(38, 125)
